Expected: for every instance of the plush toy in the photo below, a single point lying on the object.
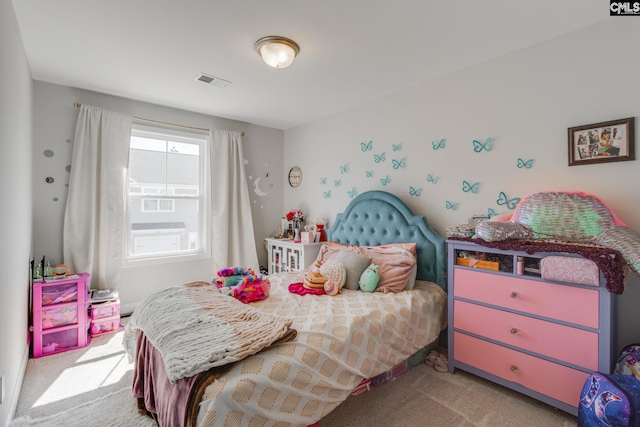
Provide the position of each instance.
(369, 278)
(331, 288)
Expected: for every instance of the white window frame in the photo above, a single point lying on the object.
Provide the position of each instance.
(203, 199)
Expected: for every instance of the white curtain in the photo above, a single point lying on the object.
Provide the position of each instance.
(94, 222)
(233, 242)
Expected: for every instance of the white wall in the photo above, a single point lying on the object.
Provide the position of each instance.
(54, 128)
(16, 111)
(524, 101)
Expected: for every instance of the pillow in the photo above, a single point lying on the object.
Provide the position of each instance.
(334, 271)
(355, 264)
(397, 265)
(492, 231)
(329, 250)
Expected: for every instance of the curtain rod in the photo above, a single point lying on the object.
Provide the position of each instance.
(78, 105)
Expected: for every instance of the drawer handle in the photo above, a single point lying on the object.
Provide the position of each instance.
(513, 294)
(513, 331)
(514, 368)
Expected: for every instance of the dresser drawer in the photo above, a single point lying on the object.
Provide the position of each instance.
(551, 379)
(565, 303)
(535, 335)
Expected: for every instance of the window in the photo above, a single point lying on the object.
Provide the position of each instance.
(167, 194)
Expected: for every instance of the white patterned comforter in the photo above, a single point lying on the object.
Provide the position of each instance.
(341, 340)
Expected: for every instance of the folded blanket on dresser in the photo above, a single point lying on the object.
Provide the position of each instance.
(196, 328)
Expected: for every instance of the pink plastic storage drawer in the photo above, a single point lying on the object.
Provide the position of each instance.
(59, 316)
(104, 310)
(56, 294)
(59, 341)
(103, 326)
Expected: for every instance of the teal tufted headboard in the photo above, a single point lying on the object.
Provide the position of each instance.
(379, 218)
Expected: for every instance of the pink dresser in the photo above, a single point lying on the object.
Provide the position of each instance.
(540, 337)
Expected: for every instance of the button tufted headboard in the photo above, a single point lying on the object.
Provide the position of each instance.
(379, 218)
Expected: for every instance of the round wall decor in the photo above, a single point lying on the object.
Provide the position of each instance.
(295, 176)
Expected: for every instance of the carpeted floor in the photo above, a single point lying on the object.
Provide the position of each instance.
(91, 387)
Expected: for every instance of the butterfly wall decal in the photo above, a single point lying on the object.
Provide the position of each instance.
(479, 146)
(438, 145)
(473, 188)
(451, 205)
(396, 147)
(398, 164)
(344, 168)
(492, 213)
(337, 182)
(327, 194)
(414, 191)
(323, 180)
(369, 174)
(379, 157)
(432, 179)
(366, 146)
(352, 193)
(523, 164)
(384, 181)
(503, 200)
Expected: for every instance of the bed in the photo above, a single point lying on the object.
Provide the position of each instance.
(328, 346)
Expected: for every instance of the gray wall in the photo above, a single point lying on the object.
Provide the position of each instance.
(54, 128)
(16, 113)
(525, 101)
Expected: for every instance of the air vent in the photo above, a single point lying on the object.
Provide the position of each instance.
(212, 80)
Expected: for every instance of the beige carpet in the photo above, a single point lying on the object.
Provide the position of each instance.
(73, 388)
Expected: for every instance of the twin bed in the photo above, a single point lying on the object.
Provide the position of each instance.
(326, 346)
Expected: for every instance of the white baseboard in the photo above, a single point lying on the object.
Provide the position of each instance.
(18, 386)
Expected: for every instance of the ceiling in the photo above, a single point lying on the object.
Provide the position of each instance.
(351, 51)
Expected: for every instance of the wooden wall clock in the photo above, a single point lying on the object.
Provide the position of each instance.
(295, 176)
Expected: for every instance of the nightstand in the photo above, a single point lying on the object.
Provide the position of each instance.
(286, 255)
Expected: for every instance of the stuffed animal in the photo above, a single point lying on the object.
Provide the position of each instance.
(369, 278)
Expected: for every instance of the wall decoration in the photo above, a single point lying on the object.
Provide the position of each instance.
(260, 187)
(327, 194)
(384, 181)
(398, 164)
(479, 146)
(612, 141)
(432, 179)
(337, 182)
(369, 174)
(49, 180)
(467, 187)
(323, 180)
(396, 147)
(451, 205)
(48, 153)
(295, 176)
(492, 213)
(344, 168)
(352, 193)
(522, 164)
(379, 157)
(503, 200)
(414, 191)
(438, 145)
(366, 146)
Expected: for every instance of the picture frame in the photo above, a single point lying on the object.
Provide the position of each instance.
(612, 141)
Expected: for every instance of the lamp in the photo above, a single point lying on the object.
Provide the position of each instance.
(277, 52)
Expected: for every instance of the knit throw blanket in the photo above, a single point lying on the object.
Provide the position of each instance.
(195, 328)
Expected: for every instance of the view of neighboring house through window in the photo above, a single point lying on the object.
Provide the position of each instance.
(166, 207)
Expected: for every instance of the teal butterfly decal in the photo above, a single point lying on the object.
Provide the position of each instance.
(366, 146)
(479, 146)
(432, 179)
(352, 193)
(327, 194)
(466, 187)
(385, 180)
(450, 205)
(379, 157)
(398, 164)
(414, 191)
(504, 200)
(438, 145)
(492, 213)
(323, 180)
(337, 182)
(523, 164)
(344, 168)
(396, 147)
(369, 174)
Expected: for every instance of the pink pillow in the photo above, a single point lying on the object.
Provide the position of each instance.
(397, 265)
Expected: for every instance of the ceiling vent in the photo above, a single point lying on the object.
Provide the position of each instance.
(216, 81)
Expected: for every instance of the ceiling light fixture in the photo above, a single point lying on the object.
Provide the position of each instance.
(277, 52)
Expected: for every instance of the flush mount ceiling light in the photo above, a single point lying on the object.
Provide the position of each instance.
(277, 52)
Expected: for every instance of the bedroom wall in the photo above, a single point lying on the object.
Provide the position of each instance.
(16, 114)
(525, 101)
(54, 128)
